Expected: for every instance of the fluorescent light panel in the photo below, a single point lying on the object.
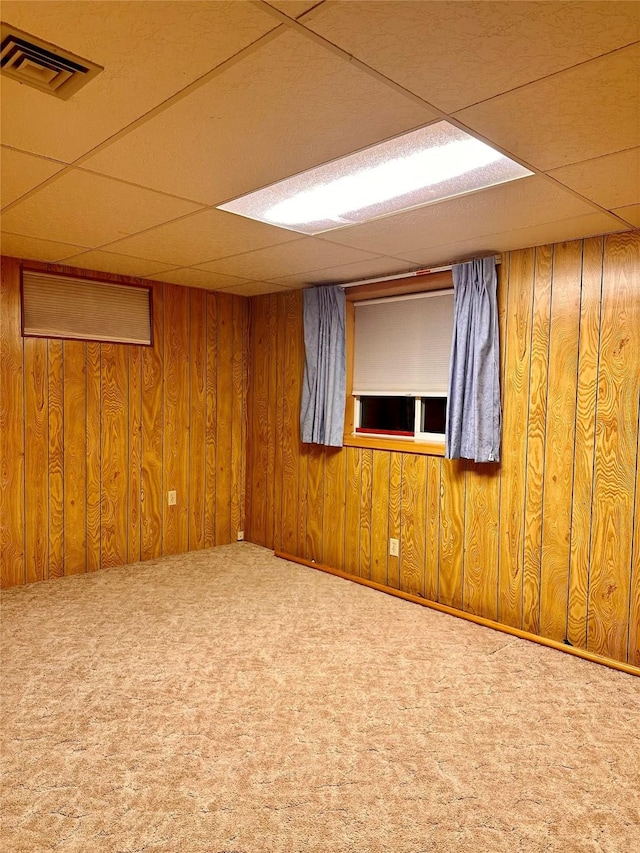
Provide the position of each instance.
(418, 168)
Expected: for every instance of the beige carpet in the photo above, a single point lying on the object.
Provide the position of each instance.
(229, 701)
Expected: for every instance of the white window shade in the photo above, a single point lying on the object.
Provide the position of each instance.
(57, 306)
(403, 345)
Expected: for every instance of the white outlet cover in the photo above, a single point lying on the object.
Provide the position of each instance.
(394, 547)
(171, 498)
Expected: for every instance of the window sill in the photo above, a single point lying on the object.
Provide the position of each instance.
(374, 442)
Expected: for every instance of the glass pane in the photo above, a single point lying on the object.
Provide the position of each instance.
(433, 416)
(387, 414)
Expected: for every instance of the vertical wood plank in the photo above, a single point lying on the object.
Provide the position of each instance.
(12, 565)
(481, 540)
(366, 475)
(412, 524)
(633, 655)
(75, 458)
(432, 532)
(559, 444)
(395, 488)
(260, 364)
(380, 516)
(152, 433)
(56, 460)
(536, 432)
(198, 415)
(616, 449)
(315, 503)
(135, 453)
(303, 497)
(333, 518)
(279, 420)
(452, 507)
(238, 415)
(293, 354)
(210, 448)
(114, 454)
(36, 459)
(224, 419)
(94, 458)
(272, 437)
(590, 302)
(352, 512)
(514, 438)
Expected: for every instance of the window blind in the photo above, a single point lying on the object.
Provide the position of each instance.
(403, 345)
(57, 306)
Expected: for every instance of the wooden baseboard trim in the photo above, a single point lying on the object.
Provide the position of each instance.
(470, 617)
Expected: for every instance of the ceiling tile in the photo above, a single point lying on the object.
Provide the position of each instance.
(256, 288)
(201, 237)
(90, 210)
(33, 249)
(289, 106)
(22, 172)
(589, 111)
(536, 235)
(529, 201)
(630, 214)
(308, 253)
(149, 52)
(117, 264)
(201, 278)
(456, 54)
(347, 272)
(293, 8)
(610, 181)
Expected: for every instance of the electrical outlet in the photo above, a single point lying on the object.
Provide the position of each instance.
(171, 498)
(240, 536)
(394, 547)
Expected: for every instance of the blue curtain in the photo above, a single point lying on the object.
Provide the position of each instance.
(473, 408)
(323, 387)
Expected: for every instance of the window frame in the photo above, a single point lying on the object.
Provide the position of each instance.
(421, 443)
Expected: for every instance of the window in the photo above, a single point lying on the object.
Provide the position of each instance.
(401, 354)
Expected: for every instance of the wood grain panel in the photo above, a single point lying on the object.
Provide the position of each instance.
(413, 508)
(333, 518)
(432, 532)
(293, 355)
(514, 437)
(273, 438)
(536, 432)
(395, 489)
(176, 417)
(352, 511)
(198, 415)
(315, 503)
(633, 656)
(279, 421)
(152, 434)
(616, 449)
(238, 415)
(114, 454)
(380, 516)
(366, 475)
(560, 436)
(303, 496)
(451, 557)
(36, 403)
(210, 463)
(481, 540)
(224, 421)
(56, 460)
(589, 344)
(260, 364)
(75, 458)
(94, 457)
(135, 453)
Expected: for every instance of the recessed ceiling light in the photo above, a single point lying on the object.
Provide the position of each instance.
(418, 168)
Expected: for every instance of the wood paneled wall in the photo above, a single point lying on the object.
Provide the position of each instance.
(544, 541)
(93, 436)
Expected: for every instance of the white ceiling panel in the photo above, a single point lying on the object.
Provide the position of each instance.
(117, 264)
(149, 52)
(201, 278)
(22, 172)
(294, 8)
(201, 237)
(256, 288)
(631, 214)
(303, 255)
(611, 181)
(529, 201)
(568, 117)
(536, 235)
(90, 210)
(457, 54)
(347, 272)
(288, 106)
(32, 249)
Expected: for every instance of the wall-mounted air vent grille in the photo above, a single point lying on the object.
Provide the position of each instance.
(43, 66)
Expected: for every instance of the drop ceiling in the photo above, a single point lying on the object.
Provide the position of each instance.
(212, 100)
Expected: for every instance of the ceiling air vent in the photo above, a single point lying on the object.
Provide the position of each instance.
(43, 66)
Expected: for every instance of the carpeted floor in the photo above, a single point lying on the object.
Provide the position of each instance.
(228, 701)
